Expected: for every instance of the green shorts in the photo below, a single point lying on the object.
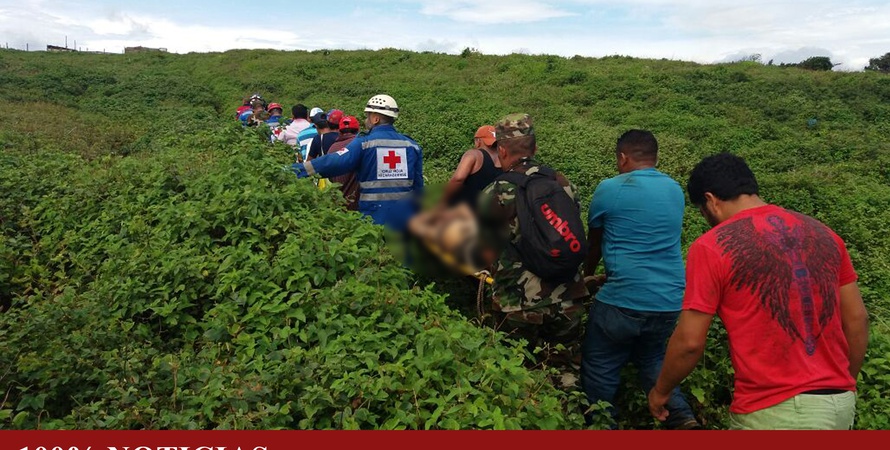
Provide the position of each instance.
(801, 412)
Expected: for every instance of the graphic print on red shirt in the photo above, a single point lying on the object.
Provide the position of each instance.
(773, 277)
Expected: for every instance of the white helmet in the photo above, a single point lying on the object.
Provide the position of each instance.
(315, 111)
(384, 105)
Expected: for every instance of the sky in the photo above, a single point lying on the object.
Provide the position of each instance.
(848, 31)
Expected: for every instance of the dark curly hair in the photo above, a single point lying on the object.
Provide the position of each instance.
(725, 175)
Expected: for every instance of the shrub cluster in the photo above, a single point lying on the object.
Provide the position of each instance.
(212, 289)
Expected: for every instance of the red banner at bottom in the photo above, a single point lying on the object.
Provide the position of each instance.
(285, 440)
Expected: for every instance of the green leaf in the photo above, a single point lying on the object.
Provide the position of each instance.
(215, 334)
(297, 314)
(699, 395)
(20, 418)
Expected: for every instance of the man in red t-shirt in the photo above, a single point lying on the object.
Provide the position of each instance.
(784, 287)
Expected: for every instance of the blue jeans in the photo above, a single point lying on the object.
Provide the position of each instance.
(618, 335)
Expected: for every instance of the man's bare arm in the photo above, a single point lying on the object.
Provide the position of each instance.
(684, 350)
(854, 319)
(466, 167)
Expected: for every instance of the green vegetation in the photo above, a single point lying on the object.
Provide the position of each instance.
(161, 270)
(814, 63)
(879, 64)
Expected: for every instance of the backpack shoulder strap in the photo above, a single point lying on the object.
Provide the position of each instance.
(546, 171)
(519, 179)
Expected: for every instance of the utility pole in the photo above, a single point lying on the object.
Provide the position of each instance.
(66, 41)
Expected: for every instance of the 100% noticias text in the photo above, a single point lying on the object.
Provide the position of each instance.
(55, 448)
(143, 448)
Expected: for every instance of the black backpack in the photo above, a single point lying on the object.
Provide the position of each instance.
(552, 241)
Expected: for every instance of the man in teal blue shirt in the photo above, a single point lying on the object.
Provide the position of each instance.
(635, 222)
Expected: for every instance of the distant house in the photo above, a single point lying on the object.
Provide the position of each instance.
(56, 48)
(141, 49)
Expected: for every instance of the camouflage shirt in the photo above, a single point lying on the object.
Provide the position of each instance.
(517, 289)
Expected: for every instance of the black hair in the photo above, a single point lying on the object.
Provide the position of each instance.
(299, 111)
(639, 145)
(724, 175)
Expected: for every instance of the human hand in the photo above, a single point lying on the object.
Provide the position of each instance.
(594, 282)
(657, 401)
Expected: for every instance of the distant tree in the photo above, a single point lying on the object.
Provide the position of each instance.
(469, 51)
(754, 57)
(881, 64)
(816, 63)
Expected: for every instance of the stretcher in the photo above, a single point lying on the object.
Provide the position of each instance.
(450, 261)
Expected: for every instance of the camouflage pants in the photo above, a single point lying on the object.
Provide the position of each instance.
(557, 323)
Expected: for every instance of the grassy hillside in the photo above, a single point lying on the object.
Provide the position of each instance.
(161, 270)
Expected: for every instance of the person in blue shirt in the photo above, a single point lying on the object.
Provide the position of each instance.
(635, 221)
(388, 166)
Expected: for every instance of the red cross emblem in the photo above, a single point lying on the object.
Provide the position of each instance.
(392, 159)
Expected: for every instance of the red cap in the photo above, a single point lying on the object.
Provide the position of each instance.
(349, 123)
(274, 106)
(486, 133)
(334, 116)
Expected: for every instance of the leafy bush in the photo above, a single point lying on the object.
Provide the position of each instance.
(193, 290)
(816, 63)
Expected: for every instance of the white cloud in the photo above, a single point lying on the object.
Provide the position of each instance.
(493, 12)
(718, 29)
(116, 30)
(432, 45)
(117, 23)
(851, 31)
